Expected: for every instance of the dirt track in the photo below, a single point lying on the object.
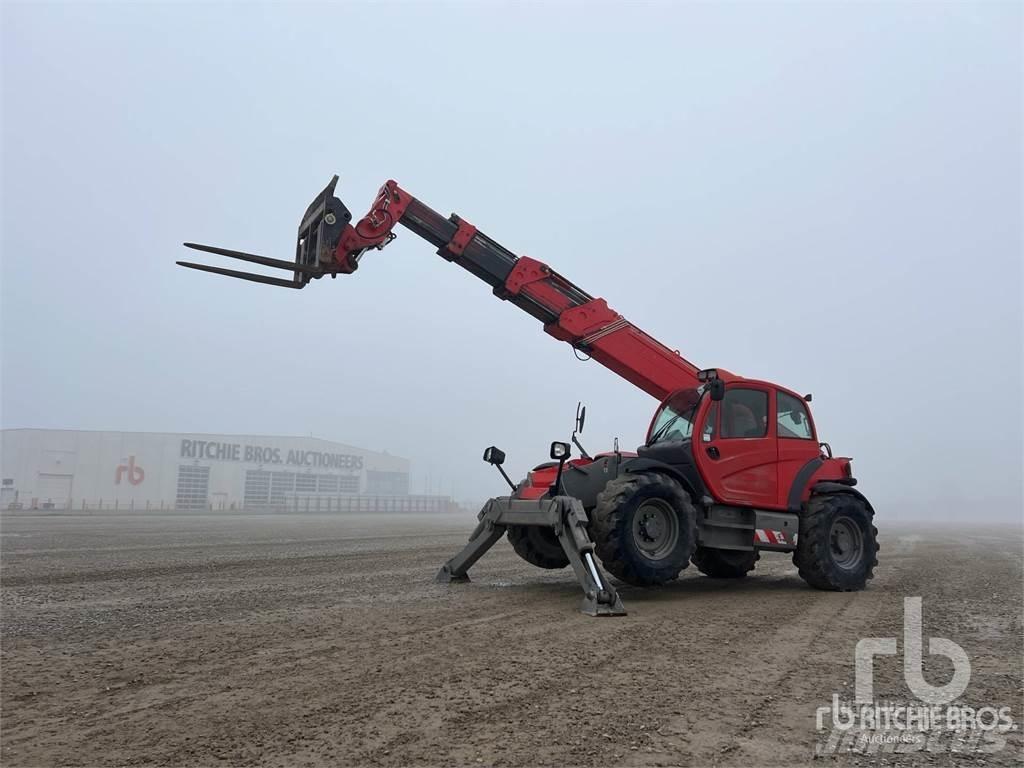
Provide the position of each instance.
(324, 641)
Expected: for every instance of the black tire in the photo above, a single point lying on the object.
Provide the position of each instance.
(538, 546)
(644, 528)
(838, 545)
(725, 563)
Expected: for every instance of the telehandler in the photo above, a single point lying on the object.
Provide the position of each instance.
(731, 466)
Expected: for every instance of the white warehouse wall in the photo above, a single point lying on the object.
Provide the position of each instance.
(58, 468)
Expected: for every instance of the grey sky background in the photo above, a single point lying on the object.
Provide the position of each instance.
(825, 195)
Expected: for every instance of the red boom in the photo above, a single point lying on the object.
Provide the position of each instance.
(569, 314)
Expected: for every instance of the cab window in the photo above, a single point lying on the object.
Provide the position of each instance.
(744, 413)
(708, 433)
(793, 420)
(675, 419)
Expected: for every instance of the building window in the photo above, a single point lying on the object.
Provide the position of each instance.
(282, 485)
(281, 488)
(387, 483)
(348, 483)
(193, 487)
(257, 488)
(305, 483)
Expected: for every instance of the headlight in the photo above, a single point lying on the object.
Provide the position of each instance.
(494, 456)
(559, 451)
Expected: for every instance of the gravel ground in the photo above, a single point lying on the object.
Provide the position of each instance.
(324, 641)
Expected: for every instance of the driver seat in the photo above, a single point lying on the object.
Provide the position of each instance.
(740, 422)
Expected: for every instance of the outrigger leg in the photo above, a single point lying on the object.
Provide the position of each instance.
(567, 517)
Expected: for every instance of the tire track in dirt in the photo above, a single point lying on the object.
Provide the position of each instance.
(358, 658)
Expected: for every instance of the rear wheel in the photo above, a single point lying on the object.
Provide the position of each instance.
(725, 563)
(538, 546)
(838, 544)
(644, 528)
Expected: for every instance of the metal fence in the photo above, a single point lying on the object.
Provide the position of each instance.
(291, 505)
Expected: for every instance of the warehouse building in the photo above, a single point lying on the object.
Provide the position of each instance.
(68, 469)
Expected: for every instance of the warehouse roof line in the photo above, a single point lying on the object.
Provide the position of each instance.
(206, 434)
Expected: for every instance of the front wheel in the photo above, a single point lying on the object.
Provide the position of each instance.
(644, 528)
(838, 544)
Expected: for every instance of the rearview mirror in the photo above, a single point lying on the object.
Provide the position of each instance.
(716, 387)
(581, 417)
(494, 456)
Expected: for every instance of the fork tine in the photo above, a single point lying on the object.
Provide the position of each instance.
(243, 275)
(291, 266)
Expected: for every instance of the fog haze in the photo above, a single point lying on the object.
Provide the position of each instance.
(827, 196)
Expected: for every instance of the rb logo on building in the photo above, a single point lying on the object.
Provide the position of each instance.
(135, 474)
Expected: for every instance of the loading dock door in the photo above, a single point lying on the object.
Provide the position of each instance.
(53, 491)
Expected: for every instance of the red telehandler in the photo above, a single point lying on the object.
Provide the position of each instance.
(731, 466)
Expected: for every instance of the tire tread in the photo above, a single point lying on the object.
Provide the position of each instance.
(541, 554)
(810, 556)
(711, 563)
(607, 526)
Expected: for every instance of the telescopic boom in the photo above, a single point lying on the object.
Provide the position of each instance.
(329, 244)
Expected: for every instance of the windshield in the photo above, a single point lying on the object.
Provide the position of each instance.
(675, 419)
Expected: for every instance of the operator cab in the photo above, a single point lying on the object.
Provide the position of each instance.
(741, 442)
(670, 436)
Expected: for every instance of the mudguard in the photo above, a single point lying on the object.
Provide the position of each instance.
(653, 465)
(826, 486)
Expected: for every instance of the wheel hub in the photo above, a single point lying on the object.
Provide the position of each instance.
(846, 543)
(655, 529)
(651, 527)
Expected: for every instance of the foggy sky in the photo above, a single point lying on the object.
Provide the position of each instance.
(823, 195)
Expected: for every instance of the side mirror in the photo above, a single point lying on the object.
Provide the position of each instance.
(716, 387)
(494, 456)
(559, 451)
(581, 417)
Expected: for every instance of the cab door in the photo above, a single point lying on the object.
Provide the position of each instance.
(738, 456)
(799, 453)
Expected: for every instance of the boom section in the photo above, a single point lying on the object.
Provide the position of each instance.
(329, 244)
(567, 312)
